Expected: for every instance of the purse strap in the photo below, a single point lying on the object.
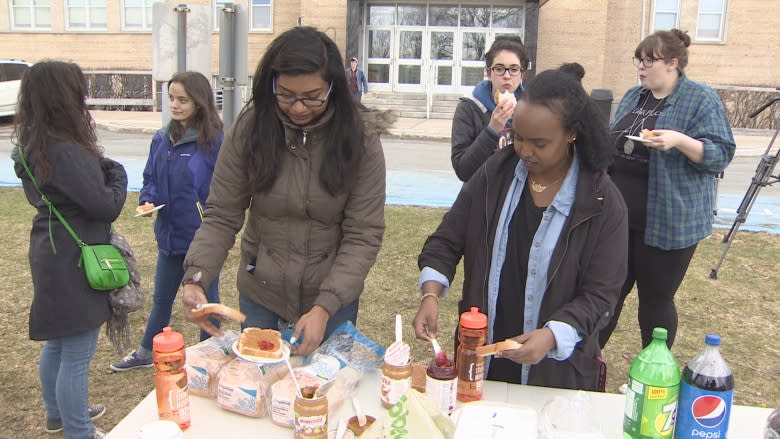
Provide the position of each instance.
(72, 233)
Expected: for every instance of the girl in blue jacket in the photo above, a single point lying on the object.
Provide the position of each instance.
(176, 180)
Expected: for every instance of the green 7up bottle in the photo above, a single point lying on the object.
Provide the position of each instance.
(653, 389)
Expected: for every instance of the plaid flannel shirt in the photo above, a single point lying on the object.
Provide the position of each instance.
(680, 193)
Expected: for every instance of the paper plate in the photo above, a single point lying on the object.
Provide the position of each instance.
(639, 139)
(260, 360)
(156, 208)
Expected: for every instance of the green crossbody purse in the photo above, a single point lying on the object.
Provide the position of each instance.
(103, 264)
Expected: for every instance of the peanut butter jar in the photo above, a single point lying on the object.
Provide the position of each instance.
(396, 380)
(311, 415)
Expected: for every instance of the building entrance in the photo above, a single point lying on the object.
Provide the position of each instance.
(439, 47)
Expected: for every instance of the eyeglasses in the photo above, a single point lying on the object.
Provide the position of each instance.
(307, 101)
(513, 70)
(645, 61)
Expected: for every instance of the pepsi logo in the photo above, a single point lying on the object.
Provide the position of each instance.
(709, 410)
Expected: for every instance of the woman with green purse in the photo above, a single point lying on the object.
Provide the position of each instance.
(55, 132)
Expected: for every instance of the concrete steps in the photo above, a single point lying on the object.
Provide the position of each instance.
(412, 105)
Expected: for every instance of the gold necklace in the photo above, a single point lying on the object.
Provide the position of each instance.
(539, 188)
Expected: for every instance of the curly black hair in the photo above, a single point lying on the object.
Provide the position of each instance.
(562, 94)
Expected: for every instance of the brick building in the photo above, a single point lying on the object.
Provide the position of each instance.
(413, 46)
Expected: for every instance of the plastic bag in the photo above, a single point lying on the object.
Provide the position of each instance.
(352, 348)
(569, 418)
(205, 360)
(413, 416)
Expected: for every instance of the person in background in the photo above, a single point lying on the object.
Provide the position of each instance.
(304, 175)
(573, 68)
(54, 131)
(668, 178)
(177, 176)
(543, 234)
(357, 80)
(481, 125)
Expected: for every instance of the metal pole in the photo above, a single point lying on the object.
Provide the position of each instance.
(227, 38)
(181, 37)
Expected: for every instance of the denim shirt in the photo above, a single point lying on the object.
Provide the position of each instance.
(544, 242)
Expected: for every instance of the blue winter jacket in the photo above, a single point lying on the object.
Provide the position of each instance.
(178, 176)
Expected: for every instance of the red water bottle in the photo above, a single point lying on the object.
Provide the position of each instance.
(170, 378)
(472, 333)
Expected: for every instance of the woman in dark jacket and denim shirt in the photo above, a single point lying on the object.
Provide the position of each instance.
(56, 134)
(178, 174)
(543, 234)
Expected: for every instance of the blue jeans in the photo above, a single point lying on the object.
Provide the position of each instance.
(258, 316)
(167, 279)
(63, 370)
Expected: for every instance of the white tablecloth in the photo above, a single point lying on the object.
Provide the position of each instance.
(209, 421)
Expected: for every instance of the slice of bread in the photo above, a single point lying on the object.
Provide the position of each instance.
(143, 208)
(261, 343)
(492, 349)
(218, 308)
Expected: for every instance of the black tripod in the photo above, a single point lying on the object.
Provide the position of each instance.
(763, 177)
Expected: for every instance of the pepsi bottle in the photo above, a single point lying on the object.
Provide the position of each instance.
(706, 393)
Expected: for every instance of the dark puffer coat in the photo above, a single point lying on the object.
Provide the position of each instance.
(90, 193)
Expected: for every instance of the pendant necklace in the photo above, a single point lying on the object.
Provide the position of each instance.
(539, 188)
(628, 146)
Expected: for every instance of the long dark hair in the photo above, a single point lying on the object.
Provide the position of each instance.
(206, 118)
(562, 94)
(300, 51)
(52, 106)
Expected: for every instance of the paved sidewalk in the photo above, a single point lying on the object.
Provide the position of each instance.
(749, 143)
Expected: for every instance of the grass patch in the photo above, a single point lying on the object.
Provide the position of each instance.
(743, 306)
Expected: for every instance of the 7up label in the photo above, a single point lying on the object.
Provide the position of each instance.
(650, 412)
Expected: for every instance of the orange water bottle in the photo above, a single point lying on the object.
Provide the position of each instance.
(472, 333)
(170, 378)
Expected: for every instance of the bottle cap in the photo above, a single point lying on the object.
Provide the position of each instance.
(473, 319)
(712, 339)
(168, 340)
(659, 333)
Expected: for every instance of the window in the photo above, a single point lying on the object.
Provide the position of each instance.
(709, 25)
(218, 6)
(261, 14)
(30, 14)
(666, 14)
(137, 14)
(85, 14)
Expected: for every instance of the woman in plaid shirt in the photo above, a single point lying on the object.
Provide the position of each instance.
(668, 178)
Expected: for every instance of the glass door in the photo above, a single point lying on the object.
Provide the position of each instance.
(442, 59)
(379, 59)
(409, 60)
(473, 45)
(379, 46)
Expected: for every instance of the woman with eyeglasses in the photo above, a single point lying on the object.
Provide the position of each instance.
(483, 120)
(681, 140)
(303, 172)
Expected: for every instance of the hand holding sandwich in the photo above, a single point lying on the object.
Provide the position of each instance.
(505, 107)
(533, 347)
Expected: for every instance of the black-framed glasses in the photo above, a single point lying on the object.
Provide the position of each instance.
(306, 101)
(513, 70)
(645, 61)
